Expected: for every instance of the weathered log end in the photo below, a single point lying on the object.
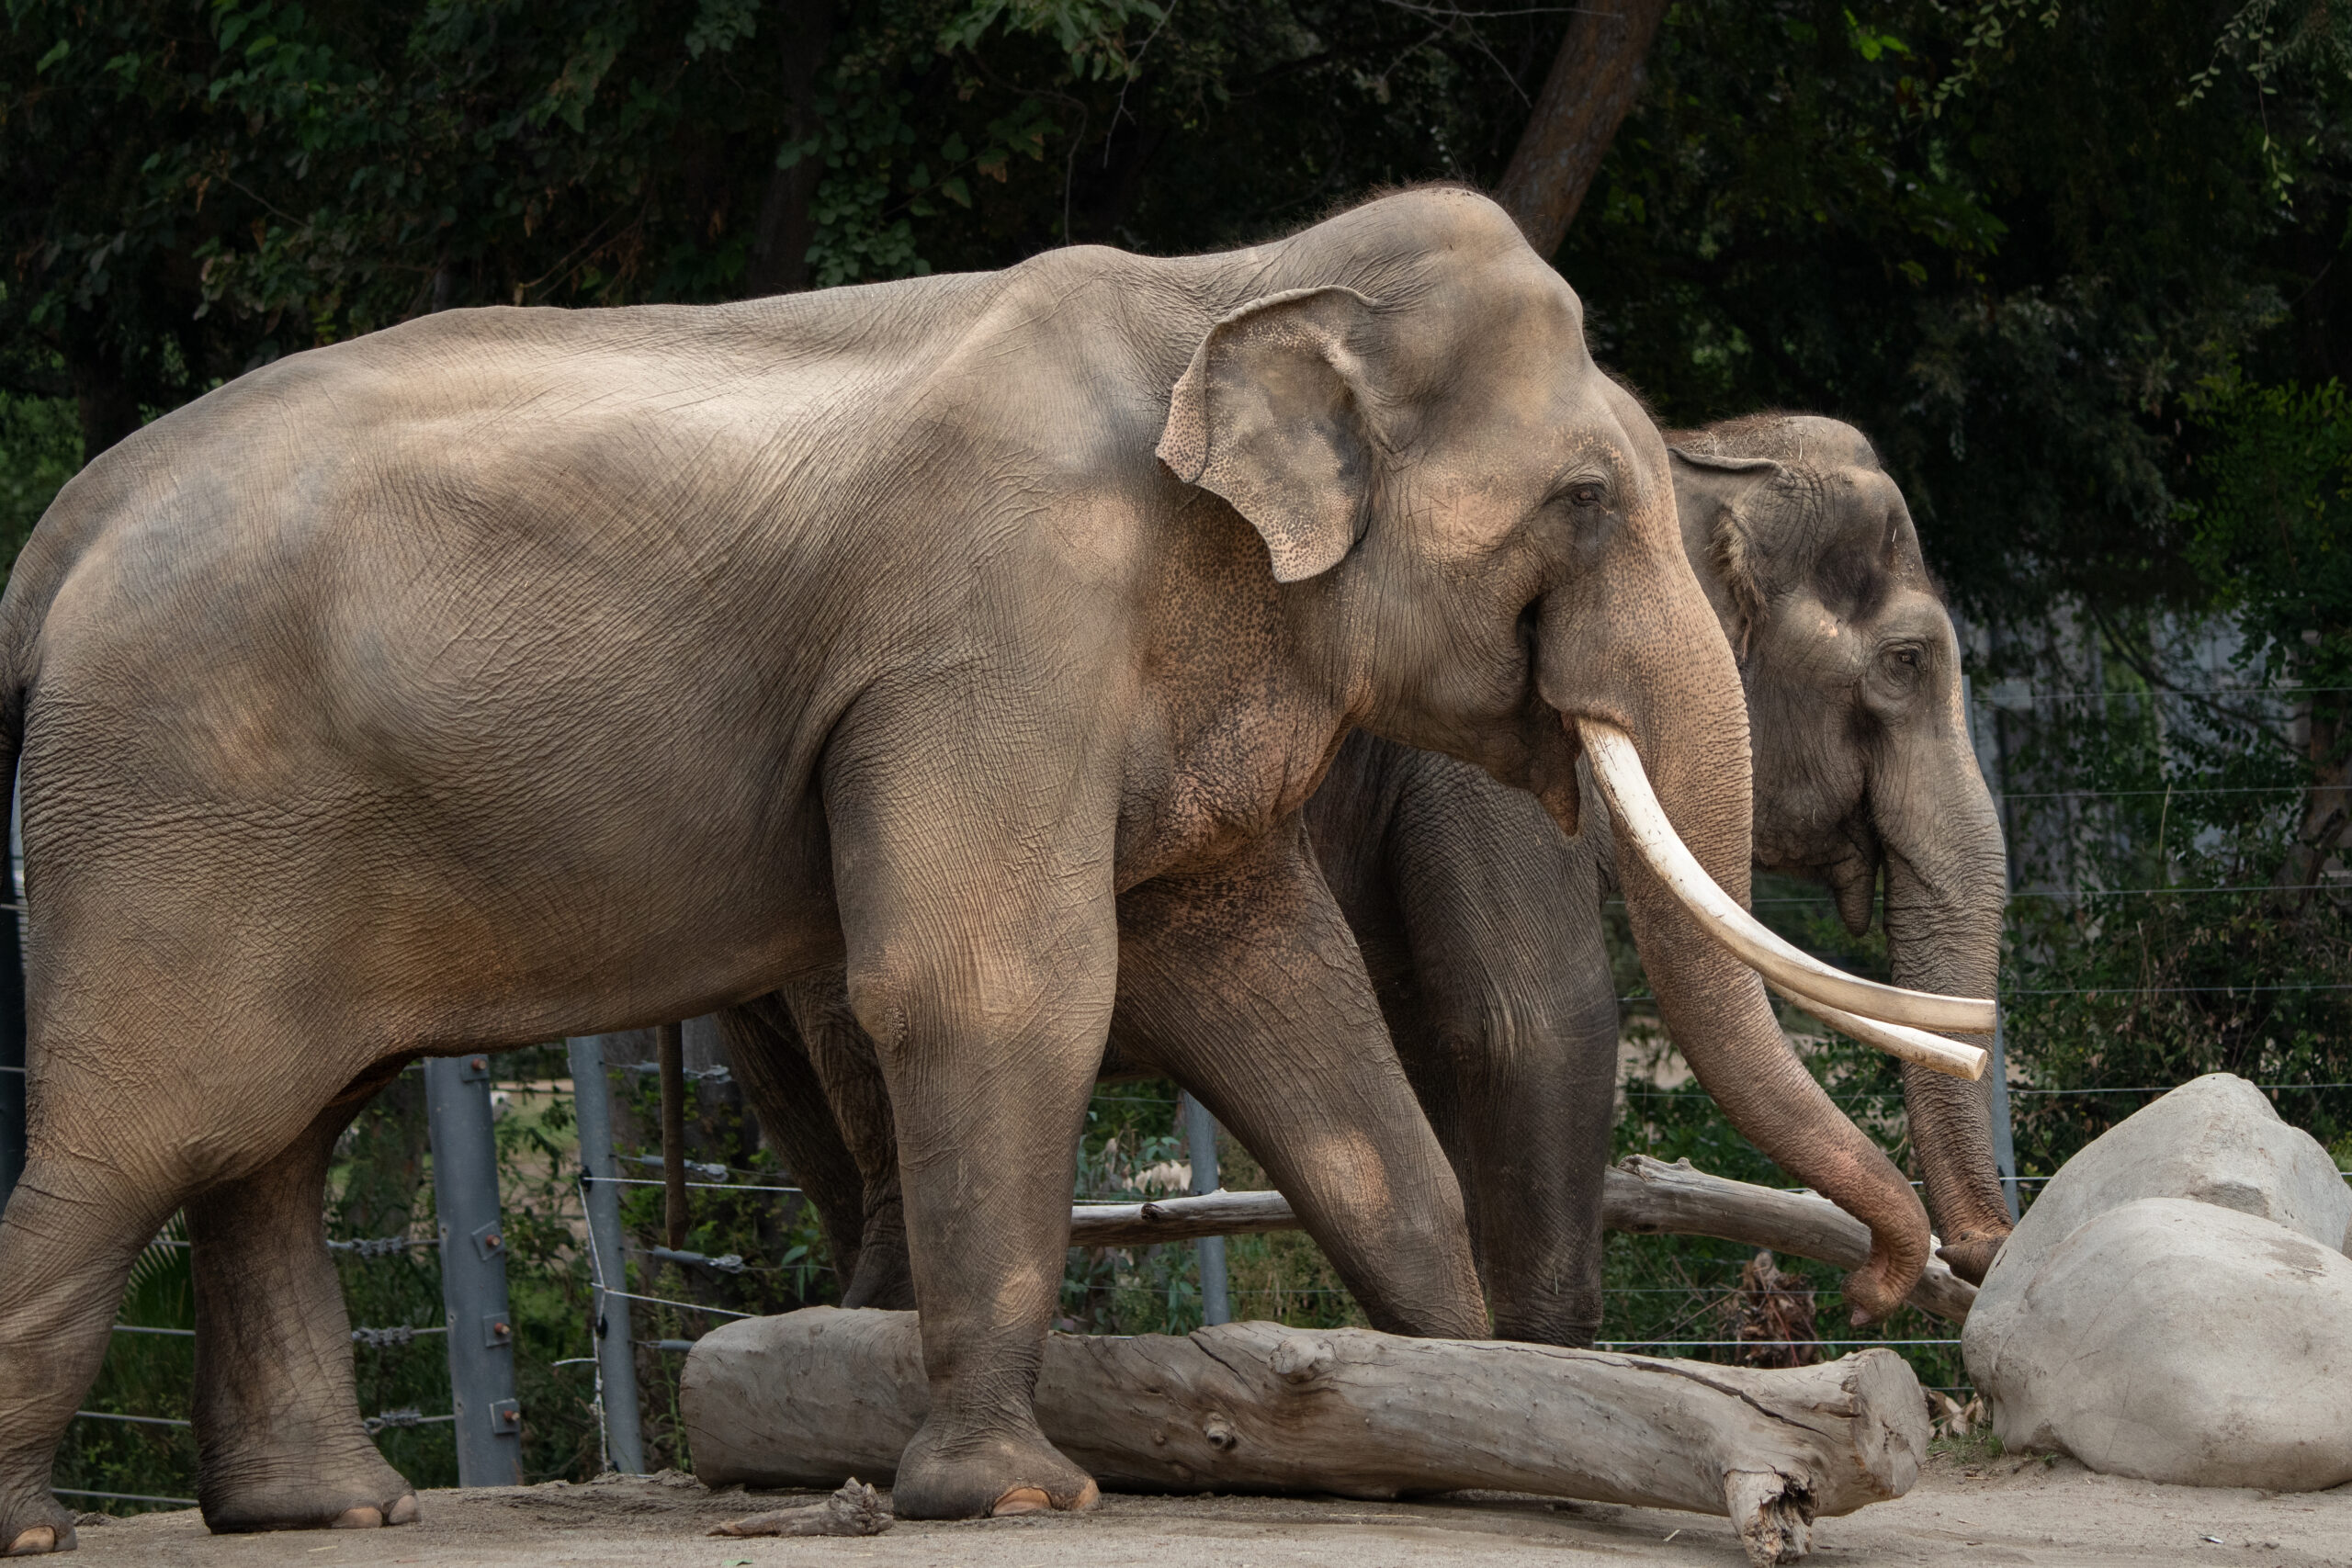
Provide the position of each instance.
(807, 1398)
(1872, 1415)
(1773, 1514)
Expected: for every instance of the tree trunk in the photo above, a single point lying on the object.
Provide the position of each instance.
(1642, 1196)
(103, 395)
(2327, 811)
(1593, 81)
(812, 1397)
(780, 245)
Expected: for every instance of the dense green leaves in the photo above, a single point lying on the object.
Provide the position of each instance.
(2272, 533)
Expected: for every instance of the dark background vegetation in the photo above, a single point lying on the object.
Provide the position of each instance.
(2076, 266)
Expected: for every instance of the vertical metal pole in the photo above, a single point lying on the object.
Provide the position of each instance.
(473, 1272)
(2005, 1153)
(12, 1016)
(591, 1101)
(2005, 1148)
(1200, 1132)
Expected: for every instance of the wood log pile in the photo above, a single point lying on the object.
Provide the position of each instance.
(814, 1396)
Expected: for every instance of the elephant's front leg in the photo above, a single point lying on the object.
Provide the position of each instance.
(984, 976)
(1247, 987)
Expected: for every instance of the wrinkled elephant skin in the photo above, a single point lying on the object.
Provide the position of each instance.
(510, 674)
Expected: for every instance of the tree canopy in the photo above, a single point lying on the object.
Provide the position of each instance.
(2014, 241)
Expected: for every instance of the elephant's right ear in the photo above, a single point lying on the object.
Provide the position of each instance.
(1714, 492)
(1272, 414)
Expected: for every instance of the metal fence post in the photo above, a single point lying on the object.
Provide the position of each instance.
(591, 1098)
(1200, 1132)
(473, 1272)
(2005, 1148)
(2005, 1153)
(12, 1016)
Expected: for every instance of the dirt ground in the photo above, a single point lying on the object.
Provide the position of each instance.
(2006, 1510)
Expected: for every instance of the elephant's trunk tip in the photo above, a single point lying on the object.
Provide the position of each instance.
(1879, 1286)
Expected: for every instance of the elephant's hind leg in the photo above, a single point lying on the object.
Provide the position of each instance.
(278, 1436)
(1246, 985)
(72, 1228)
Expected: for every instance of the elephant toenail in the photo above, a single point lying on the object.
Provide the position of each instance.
(402, 1512)
(33, 1542)
(1087, 1496)
(359, 1518)
(1021, 1500)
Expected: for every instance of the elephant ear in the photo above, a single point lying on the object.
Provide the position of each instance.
(1715, 493)
(1272, 414)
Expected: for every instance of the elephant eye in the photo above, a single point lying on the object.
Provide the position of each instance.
(1904, 664)
(1587, 495)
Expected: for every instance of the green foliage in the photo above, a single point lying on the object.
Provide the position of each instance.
(2272, 533)
(2211, 930)
(40, 447)
(2022, 254)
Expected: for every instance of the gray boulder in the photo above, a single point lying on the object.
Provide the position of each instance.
(2178, 1341)
(2151, 1279)
(2214, 1140)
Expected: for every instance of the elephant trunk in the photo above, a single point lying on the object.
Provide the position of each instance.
(1946, 874)
(1715, 1007)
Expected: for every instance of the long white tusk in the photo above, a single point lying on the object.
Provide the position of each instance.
(1618, 768)
(1930, 1050)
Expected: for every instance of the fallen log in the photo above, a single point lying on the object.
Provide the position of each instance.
(1643, 1196)
(808, 1398)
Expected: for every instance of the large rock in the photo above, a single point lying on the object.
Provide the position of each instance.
(2144, 1317)
(2174, 1340)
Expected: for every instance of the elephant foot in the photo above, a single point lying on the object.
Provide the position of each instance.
(944, 1476)
(1035, 1500)
(401, 1512)
(35, 1531)
(1971, 1256)
(371, 1496)
(38, 1541)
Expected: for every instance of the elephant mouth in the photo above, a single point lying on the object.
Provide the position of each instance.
(1888, 1017)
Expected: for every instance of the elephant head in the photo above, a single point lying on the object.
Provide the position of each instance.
(1862, 757)
(1482, 528)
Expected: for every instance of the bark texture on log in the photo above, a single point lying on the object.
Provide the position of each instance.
(1644, 1196)
(1593, 81)
(808, 1398)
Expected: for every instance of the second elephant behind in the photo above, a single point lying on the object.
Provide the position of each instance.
(1480, 922)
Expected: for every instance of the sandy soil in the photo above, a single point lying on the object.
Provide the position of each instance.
(2009, 1510)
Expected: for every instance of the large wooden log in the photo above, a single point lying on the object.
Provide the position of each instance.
(812, 1397)
(1644, 1196)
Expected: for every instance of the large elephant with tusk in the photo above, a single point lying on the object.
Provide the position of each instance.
(1479, 918)
(974, 640)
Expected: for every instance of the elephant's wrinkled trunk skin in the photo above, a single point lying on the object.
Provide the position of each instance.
(1946, 870)
(1696, 753)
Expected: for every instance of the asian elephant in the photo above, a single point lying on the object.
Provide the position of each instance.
(1480, 921)
(517, 674)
